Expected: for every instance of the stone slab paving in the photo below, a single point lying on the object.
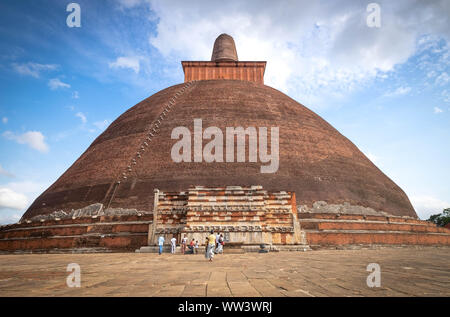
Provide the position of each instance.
(404, 272)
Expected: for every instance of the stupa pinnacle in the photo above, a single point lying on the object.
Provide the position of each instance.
(224, 49)
(224, 64)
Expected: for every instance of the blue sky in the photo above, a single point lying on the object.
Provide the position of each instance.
(387, 89)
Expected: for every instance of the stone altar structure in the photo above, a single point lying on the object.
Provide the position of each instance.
(248, 215)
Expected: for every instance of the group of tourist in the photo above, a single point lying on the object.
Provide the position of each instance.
(214, 245)
(193, 245)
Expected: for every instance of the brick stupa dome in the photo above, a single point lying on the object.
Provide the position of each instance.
(124, 165)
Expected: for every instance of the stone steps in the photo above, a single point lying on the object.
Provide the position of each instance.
(167, 248)
(231, 250)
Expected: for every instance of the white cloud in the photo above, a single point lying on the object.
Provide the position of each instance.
(442, 79)
(426, 206)
(81, 116)
(55, 83)
(431, 74)
(129, 3)
(313, 48)
(398, 92)
(446, 95)
(33, 69)
(12, 199)
(437, 110)
(18, 196)
(132, 63)
(102, 125)
(75, 95)
(28, 187)
(33, 139)
(5, 120)
(5, 173)
(9, 218)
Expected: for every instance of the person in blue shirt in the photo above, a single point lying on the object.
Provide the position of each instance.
(160, 243)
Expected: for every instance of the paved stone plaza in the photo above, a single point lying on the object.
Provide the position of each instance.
(404, 272)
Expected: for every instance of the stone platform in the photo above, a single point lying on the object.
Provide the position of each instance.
(127, 233)
(410, 271)
(324, 230)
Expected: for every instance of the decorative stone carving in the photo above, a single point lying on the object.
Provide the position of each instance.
(92, 211)
(346, 208)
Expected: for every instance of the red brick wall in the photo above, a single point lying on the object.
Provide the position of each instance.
(112, 233)
(248, 71)
(334, 229)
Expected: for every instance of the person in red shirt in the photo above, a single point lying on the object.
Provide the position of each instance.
(191, 246)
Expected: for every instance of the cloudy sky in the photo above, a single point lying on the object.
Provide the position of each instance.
(387, 89)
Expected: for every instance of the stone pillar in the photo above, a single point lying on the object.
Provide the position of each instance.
(299, 238)
(152, 239)
(299, 235)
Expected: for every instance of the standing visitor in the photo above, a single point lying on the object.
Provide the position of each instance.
(206, 247)
(196, 247)
(174, 245)
(211, 246)
(183, 244)
(191, 246)
(219, 249)
(160, 243)
(217, 240)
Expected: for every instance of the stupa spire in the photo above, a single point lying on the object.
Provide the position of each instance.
(224, 64)
(224, 49)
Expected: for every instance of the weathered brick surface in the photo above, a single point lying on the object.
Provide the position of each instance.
(343, 238)
(334, 216)
(333, 230)
(43, 232)
(316, 161)
(248, 71)
(130, 243)
(379, 227)
(112, 233)
(111, 243)
(248, 215)
(126, 234)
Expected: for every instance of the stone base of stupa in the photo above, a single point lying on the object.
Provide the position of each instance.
(247, 217)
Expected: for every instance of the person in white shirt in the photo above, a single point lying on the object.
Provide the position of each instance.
(160, 243)
(219, 248)
(183, 244)
(217, 240)
(173, 242)
(196, 246)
